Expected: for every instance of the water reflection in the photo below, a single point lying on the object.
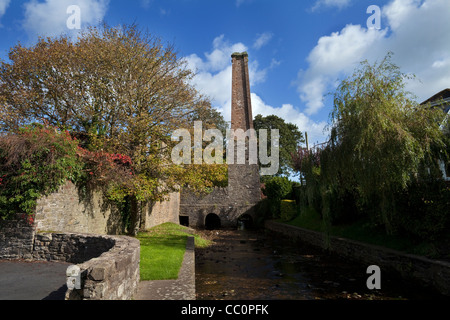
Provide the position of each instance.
(255, 265)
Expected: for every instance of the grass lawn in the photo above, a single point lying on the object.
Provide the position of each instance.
(162, 251)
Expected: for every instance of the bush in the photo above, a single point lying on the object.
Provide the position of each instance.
(33, 163)
(422, 210)
(39, 159)
(343, 207)
(288, 210)
(277, 188)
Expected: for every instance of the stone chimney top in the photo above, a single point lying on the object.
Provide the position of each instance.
(239, 54)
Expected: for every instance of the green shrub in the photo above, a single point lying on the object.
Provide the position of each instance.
(277, 188)
(343, 206)
(33, 163)
(38, 159)
(288, 210)
(422, 210)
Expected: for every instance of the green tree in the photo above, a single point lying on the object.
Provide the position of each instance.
(290, 139)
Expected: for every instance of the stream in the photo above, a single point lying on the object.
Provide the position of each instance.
(255, 265)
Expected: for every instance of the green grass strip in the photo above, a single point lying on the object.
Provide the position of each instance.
(162, 251)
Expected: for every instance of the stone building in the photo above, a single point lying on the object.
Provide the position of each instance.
(224, 207)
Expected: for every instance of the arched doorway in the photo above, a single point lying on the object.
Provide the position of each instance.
(245, 221)
(212, 221)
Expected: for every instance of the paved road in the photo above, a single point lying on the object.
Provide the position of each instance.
(32, 280)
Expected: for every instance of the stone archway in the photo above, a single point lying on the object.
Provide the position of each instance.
(212, 221)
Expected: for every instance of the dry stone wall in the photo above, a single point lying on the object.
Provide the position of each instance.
(70, 247)
(113, 275)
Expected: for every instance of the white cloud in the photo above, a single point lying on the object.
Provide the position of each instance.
(218, 58)
(262, 40)
(333, 55)
(414, 32)
(330, 3)
(3, 6)
(290, 114)
(213, 79)
(49, 18)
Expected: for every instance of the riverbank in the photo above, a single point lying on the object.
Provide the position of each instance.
(363, 231)
(429, 273)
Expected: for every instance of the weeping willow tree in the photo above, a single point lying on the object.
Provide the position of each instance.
(381, 139)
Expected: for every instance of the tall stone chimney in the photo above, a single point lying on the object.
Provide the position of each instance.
(239, 199)
(243, 179)
(241, 104)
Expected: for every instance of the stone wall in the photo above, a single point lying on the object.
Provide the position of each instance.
(114, 275)
(427, 272)
(226, 203)
(161, 212)
(70, 211)
(70, 247)
(16, 238)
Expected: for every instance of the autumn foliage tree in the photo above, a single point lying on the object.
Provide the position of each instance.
(118, 90)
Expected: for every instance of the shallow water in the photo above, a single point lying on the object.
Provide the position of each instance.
(254, 265)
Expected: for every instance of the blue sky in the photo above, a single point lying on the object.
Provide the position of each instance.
(297, 49)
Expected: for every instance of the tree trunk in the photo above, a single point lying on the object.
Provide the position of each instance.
(135, 217)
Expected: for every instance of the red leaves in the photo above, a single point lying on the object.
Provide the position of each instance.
(103, 167)
(28, 218)
(123, 159)
(302, 155)
(104, 158)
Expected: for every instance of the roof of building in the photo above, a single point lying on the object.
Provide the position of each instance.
(441, 99)
(442, 95)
